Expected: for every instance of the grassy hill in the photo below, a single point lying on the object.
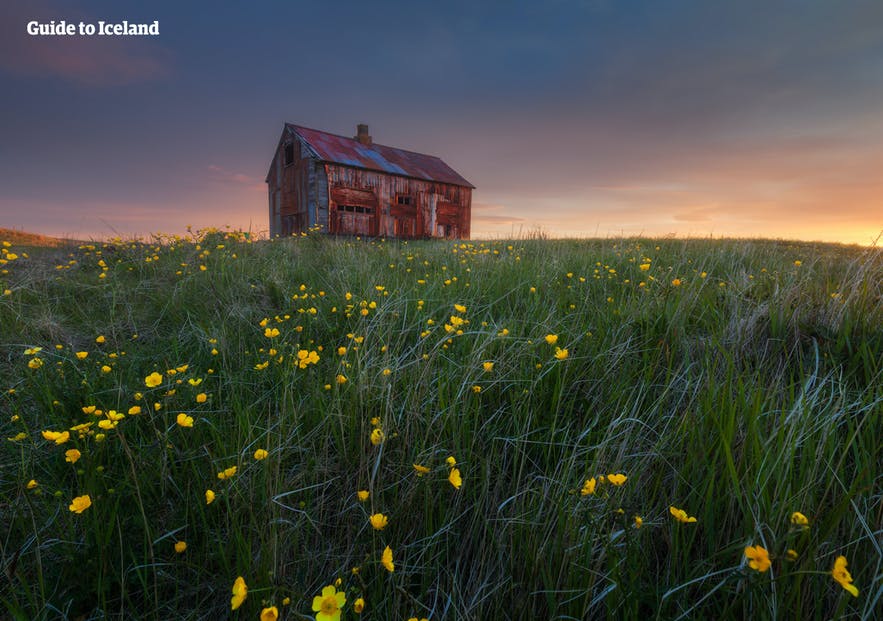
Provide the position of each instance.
(511, 429)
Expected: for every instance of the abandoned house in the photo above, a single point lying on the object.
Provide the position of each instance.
(352, 186)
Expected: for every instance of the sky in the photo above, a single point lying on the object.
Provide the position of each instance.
(574, 118)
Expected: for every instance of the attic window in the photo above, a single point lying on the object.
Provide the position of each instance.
(289, 153)
(404, 199)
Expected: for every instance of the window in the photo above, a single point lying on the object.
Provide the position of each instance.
(355, 209)
(404, 199)
(289, 153)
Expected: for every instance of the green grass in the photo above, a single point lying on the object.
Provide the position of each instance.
(751, 390)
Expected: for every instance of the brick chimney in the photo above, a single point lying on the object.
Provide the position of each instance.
(362, 134)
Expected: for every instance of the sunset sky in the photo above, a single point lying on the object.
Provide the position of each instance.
(577, 117)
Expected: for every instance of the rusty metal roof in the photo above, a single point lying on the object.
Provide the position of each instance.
(350, 152)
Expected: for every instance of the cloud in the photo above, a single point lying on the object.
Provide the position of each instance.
(487, 213)
(93, 61)
(222, 175)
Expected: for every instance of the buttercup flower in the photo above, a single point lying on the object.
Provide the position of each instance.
(240, 592)
(487, 366)
(798, 519)
(421, 470)
(80, 504)
(209, 496)
(616, 479)
(842, 576)
(260, 454)
(455, 479)
(551, 339)
(362, 495)
(185, 421)
(59, 437)
(180, 547)
(329, 604)
(377, 436)
(589, 487)
(386, 560)
(680, 515)
(201, 397)
(82, 355)
(153, 380)
(270, 614)
(271, 333)
(72, 455)
(359, 606)
(226, 474)
(561, 354)
(32, 484)
(378, 521)
(639, 521)
(759, 558)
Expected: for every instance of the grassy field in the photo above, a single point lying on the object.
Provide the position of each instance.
(547, 429)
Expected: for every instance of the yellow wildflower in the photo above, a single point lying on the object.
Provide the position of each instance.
(134, 410)
(201, 397)
(59, 437)
(153, 380)
(32, 484)
(589, 487)
(561, 354)
(487, 366)
(260, 454)
(616, 479)
(341, 379)
(240, 592)
(454, 478)
(270, 614)
(271, 333)
(377, 436)
(459, 308)
(228, 473)
(551, 339)
(842, 576)
(362, 495)
(378, 521)
(451, 461)
(421, 470)
(80, 504)
(184, 421)
(798, 519)
(100, 338)
(209, 496)
(386, 560)
(329, 604)
(676, 282)
(81, 355)
(72, 455)
(359, 606)
(680, 515)
(639, 521)
(759, 558)
(180, 547)
(35, 363)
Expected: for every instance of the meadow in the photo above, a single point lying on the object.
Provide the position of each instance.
(209, 427)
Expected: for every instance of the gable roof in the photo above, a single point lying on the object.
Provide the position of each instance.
(336, 149)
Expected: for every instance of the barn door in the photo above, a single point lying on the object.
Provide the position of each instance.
(354, 212)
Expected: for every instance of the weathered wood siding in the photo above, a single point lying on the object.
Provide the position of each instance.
(435, 209)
